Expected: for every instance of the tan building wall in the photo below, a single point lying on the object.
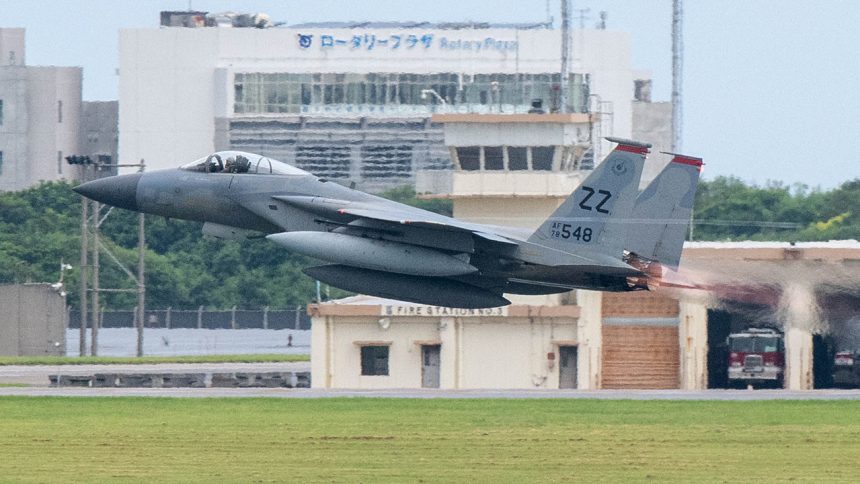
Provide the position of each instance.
(512, 347)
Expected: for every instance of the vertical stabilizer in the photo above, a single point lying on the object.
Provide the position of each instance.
(593, 219)
(662, 212)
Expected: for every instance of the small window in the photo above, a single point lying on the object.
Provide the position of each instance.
(59, 111)
(518, 158)
(493, 158)
(542, 157)
(1, 112)
(1, 162)
(470, 157)
(374, 360)
(59, 162)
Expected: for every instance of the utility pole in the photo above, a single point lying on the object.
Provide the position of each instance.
(96, 309)
(677, 83)
(582, 17)
(83, 272)
(565, 56)
(141, 287)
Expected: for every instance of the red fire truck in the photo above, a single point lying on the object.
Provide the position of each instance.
(757, 358)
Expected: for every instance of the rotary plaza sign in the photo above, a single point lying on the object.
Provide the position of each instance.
(406, 41)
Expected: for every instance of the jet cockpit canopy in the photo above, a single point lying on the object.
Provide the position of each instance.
(241, 162)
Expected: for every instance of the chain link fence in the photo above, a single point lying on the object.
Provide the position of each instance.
(296, 318)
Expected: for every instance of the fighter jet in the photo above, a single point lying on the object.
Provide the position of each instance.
(606, 236)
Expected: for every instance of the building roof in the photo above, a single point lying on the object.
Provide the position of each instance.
(362, 305)
(467, 25)
(751, 244)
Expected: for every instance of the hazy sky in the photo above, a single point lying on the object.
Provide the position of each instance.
(770, 87)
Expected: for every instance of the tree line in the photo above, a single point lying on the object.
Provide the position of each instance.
(40, 228)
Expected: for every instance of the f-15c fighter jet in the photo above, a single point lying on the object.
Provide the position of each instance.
(606, 236)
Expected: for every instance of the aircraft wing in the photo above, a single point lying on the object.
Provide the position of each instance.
(396, 214)
(440, 223)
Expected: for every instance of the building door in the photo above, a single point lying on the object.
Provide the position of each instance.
(430, 366)
(567, 367)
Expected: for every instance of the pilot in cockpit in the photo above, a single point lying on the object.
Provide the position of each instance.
(214, 164)
(237, 164)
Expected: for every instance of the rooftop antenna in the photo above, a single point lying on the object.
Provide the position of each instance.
(677, 73)
(602, 24)
(582, 17)
(565, 56)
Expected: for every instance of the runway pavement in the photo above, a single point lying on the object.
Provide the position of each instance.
(36, 379)
(37, 375)
(434, 393)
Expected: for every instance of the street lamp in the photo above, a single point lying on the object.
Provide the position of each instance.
(59, 286)
(425, 93)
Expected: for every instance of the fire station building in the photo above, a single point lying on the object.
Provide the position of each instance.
(646, 340)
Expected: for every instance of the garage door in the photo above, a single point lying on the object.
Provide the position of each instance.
(640, 356)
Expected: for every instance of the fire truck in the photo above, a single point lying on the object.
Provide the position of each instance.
(756, 358)
(846, 369)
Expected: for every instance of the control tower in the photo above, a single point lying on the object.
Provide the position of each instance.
(512, 169)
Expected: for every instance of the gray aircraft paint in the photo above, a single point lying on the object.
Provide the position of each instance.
(389, 249)
(662, 213)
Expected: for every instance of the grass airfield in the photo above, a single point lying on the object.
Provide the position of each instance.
(426, 440)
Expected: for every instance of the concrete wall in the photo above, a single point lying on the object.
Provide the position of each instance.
(652, 123)
(54, 104)
(98, 133)
(14, 134)
(33, 320)
(527, 213)
(12, 47)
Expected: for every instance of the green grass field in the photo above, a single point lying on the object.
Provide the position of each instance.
(264, 440)
(131, 360)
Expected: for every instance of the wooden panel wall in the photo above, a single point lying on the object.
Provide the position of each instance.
(641, 357)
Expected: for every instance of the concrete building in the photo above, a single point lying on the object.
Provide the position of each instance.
(39, 112)
(33, 322)
(43, 119)
(353, 101)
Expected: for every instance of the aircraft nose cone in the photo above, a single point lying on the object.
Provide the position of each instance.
(119, 191)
